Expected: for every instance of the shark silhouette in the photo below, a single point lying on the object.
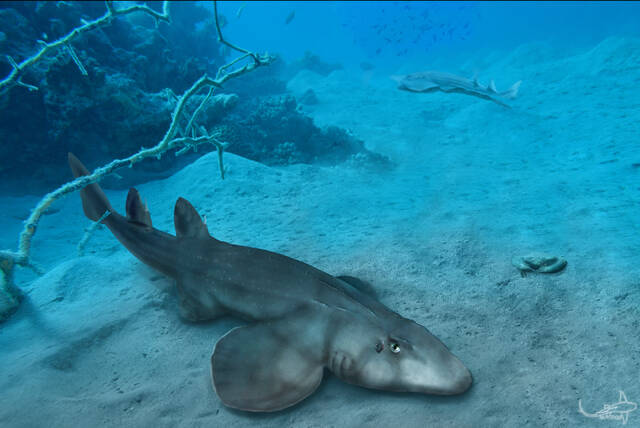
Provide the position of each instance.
(616, 411)
(431, 81)
(301, 318)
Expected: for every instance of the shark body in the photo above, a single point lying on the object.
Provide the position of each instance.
(431, 81)
(301, 318)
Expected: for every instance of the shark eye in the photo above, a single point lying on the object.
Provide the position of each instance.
(379, 347)
(395, 348)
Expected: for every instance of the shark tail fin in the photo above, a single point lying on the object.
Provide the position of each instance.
(512, 92)
(94, 201)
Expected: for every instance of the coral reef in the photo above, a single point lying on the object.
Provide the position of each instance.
(121, 103)
(272, 130)
(309, 98)
(124, 101)
(312, 62)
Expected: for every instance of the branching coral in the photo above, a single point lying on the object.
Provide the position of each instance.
(15, 77)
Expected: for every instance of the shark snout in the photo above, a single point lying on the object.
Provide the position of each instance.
(441, 376)
(461, 379)
(453, 378)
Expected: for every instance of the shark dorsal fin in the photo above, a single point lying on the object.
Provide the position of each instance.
(136, 210)
(188, 222)
(474, 78)
(492, 87)
(623, 397)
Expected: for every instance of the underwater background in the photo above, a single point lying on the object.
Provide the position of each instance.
(439, 200)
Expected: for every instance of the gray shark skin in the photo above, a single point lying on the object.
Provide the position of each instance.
(301, 318)
(431, 81)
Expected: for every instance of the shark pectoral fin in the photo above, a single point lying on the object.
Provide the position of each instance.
(360, 285)
(260, 367)
(421, 86)
(187, 221)
(448, 88)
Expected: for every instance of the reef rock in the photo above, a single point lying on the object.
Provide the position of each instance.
(539, 263)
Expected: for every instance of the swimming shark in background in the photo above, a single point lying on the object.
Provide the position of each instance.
(301, 318)
(431, 81)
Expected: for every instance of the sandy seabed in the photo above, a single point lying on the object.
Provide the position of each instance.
(99, 341)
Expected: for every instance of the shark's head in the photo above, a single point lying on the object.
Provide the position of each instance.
(408, 358)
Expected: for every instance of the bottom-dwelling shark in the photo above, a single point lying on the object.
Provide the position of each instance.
(431, 81)
(301, 318)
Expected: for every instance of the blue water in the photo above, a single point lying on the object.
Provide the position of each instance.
(441, 193)
(351, 32)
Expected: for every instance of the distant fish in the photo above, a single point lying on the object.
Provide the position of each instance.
(290, 17)
(240, 9)
(366, 66)
(432, 81)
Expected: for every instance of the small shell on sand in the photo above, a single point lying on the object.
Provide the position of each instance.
(540, 263)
